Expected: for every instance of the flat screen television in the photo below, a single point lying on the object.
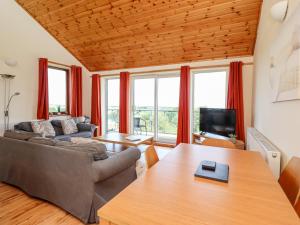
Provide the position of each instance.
(218, 121)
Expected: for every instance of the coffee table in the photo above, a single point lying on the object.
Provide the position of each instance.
(120, 138)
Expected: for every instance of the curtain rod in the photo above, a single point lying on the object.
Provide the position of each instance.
(175, 69)
(59, 64)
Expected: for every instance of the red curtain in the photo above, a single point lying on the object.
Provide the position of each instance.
(76, 92)
(96, 103)
(124, 103)
(235, 97)
(43, 100)
(183, 128)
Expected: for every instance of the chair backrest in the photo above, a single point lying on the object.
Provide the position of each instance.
(218, 143)
(297, 207)
(136, 122)
(290, 179)
(151, 156)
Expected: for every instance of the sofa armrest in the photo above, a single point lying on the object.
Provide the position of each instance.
(104, 169)
(86, 127)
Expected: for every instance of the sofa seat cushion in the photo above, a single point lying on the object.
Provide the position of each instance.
(63, 138)
(98, 150)
(20, 135)
(43, 141)
(49, 141)
(69, 126)
(43, 127)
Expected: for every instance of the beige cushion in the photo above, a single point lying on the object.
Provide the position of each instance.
(43, 127)
(69, 126)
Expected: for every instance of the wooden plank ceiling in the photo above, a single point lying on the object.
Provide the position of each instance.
(115, 34)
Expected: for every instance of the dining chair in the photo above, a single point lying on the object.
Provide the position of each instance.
(151, 156)
(289, 179)
(297, 207)
(218, 143)
(137, 125)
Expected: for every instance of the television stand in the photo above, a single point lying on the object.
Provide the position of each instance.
(199, 138)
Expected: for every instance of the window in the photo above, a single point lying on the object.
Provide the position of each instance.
(210, 90)
(112, 104)
(57, 90)
(155, 106)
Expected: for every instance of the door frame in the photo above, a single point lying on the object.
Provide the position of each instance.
(156, 77)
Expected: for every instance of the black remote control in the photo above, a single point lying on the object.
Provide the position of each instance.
(208, 165)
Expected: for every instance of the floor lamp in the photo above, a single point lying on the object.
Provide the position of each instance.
(7, 97)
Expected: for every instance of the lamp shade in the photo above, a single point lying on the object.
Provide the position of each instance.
(279, 10)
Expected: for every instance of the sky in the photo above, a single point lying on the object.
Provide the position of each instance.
(210, 89)
(57, 87)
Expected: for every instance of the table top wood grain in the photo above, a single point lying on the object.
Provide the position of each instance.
(170, 194)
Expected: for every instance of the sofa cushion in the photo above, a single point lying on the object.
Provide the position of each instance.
(63, 138)
(98, 150)
(56, 123)
(84, 134)
(49, 141)
(25, 126)
(80, 119)
(58, 131)
(43, 127)
(57, 127)
(20, 135)
(43, 141)
(85, 127)
(69, 126)
(63, 143)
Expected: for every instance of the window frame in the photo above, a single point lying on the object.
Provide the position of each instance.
(67, 111)
(192, 84)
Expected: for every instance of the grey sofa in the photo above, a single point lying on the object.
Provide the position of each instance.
(69, 179)
(85, 130)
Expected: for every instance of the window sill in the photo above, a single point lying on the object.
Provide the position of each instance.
(59, 115)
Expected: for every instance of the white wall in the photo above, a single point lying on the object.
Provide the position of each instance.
(247, 79)
(279, 122)
(24, 40)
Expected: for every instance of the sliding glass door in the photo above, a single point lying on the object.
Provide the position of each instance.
(155, 106)
(167, 107)
(144, 106)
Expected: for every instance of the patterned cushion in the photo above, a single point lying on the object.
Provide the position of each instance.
(43, 127)
(69, 126)
(80, 119)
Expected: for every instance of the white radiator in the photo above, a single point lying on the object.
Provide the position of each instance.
(256, 141)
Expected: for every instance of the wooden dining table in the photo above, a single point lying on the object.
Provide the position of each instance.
(170, 194)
